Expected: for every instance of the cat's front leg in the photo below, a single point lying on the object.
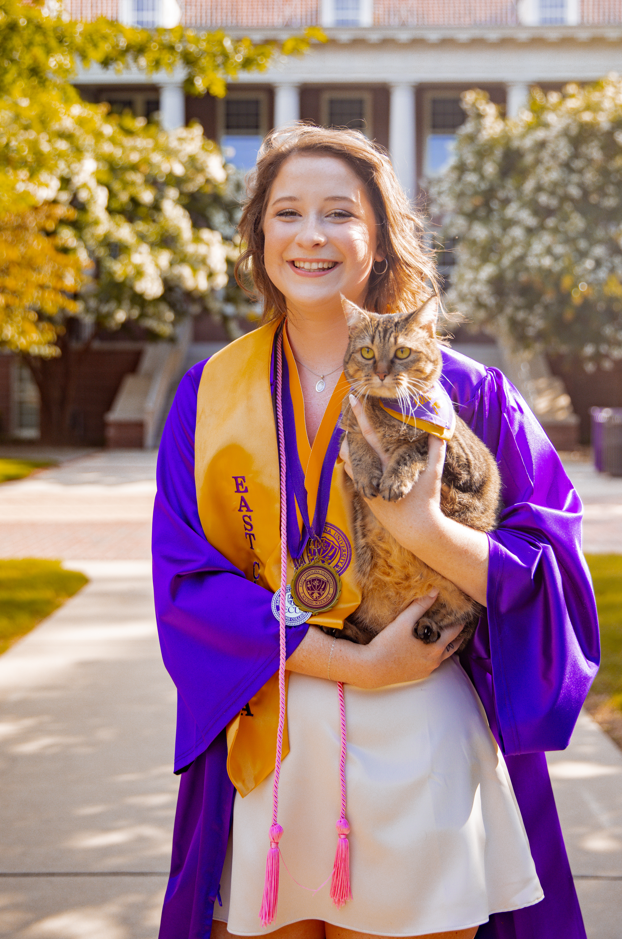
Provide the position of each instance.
(429, 628)
(402, 473)
(366, 465)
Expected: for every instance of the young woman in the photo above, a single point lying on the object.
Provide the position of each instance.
(438, 845)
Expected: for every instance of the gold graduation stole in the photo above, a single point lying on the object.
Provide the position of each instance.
(237, 484)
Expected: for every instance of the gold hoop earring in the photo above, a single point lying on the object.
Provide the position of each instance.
(384, 270)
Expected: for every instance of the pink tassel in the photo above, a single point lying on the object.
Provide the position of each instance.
(340, 890)
(271, 885)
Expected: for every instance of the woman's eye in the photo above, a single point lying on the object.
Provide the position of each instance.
(402, 353)
(287, 213)
(339, 213)
(367, 353)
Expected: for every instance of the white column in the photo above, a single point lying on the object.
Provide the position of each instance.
(573, 12)
(286, 103)
(402, 135)
(528, 12)
(517, 94)
(172, 105)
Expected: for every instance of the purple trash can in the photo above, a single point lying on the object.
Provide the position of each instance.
(612, 443)
(599, 417)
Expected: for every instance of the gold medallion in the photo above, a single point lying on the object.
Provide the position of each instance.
(316, 587)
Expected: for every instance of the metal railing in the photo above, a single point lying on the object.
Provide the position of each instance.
(445, 13)
(213, 14)
(92, 9)
(601, 12)
(252, 13)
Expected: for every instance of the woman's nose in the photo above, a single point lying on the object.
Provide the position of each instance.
(310, 233)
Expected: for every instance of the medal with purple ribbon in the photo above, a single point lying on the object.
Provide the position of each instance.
(316, 585)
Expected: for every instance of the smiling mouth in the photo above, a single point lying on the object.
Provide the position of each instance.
(314, 265)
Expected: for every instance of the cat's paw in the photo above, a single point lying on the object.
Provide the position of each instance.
(426, 630)
(392, 489)
(368, 487)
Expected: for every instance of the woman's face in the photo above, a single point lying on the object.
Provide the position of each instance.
(320, 234)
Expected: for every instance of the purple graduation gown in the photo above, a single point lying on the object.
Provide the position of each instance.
(532, 659)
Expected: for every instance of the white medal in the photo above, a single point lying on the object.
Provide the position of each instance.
(293, 615)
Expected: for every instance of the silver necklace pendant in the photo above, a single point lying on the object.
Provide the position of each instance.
(321, 385)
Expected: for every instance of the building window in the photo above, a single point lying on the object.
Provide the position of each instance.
(243, 128)
(444, 117)
(149, 14)
(140, 103)
(552, 12)
(146, 13)
(26, 403)
(352, 110)
(347, 12)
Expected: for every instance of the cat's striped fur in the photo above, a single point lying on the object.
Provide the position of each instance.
(391, 577)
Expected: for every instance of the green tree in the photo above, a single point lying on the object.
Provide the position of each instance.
(142, 220)
(535, 204)
(42, 49)
(129, 225)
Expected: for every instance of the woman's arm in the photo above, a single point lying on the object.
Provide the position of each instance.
(458, 553)
(392, 657)
(219, 637)
(535, 652)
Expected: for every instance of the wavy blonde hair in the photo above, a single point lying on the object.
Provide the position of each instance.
(410, 276)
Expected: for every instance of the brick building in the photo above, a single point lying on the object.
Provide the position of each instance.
(394, 68)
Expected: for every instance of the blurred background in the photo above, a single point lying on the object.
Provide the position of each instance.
(126, 130)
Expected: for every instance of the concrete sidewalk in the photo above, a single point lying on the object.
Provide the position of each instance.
(94, 507)
(86, 733)
(86, 741)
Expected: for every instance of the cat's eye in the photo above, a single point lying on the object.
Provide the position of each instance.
(402, 353)
(367, 353)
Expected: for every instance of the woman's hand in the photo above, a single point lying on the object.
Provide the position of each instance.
(394, 656)
(422, 503)
(458, 553)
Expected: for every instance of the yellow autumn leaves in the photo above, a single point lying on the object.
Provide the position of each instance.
(34, 276)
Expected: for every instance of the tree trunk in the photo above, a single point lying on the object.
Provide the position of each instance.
(56, 380)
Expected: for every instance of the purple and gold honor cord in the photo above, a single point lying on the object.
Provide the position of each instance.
(340, 890)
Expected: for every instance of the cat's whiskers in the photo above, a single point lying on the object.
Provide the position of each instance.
(405, 405)
(415, 386)
(358, 386)
(360, 389)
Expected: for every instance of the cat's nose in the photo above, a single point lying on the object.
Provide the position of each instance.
(381, 375)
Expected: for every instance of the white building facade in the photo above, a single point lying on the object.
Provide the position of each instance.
(394, 68)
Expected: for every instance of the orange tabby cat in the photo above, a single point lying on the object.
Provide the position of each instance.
(390, 357)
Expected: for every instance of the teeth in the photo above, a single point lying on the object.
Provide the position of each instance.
(314, 265)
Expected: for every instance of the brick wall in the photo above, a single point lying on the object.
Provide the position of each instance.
(600, 389)
(100, 375)
(5, 394)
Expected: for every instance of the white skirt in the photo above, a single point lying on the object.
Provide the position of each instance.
(437, 842)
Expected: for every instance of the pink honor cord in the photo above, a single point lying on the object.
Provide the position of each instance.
(340, 891)
(271, 885)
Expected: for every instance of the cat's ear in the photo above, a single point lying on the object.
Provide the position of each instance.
(352, 312)
(426, 316)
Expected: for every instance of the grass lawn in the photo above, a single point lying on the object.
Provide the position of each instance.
(30, 590)
(18, 469)
(605, 699)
